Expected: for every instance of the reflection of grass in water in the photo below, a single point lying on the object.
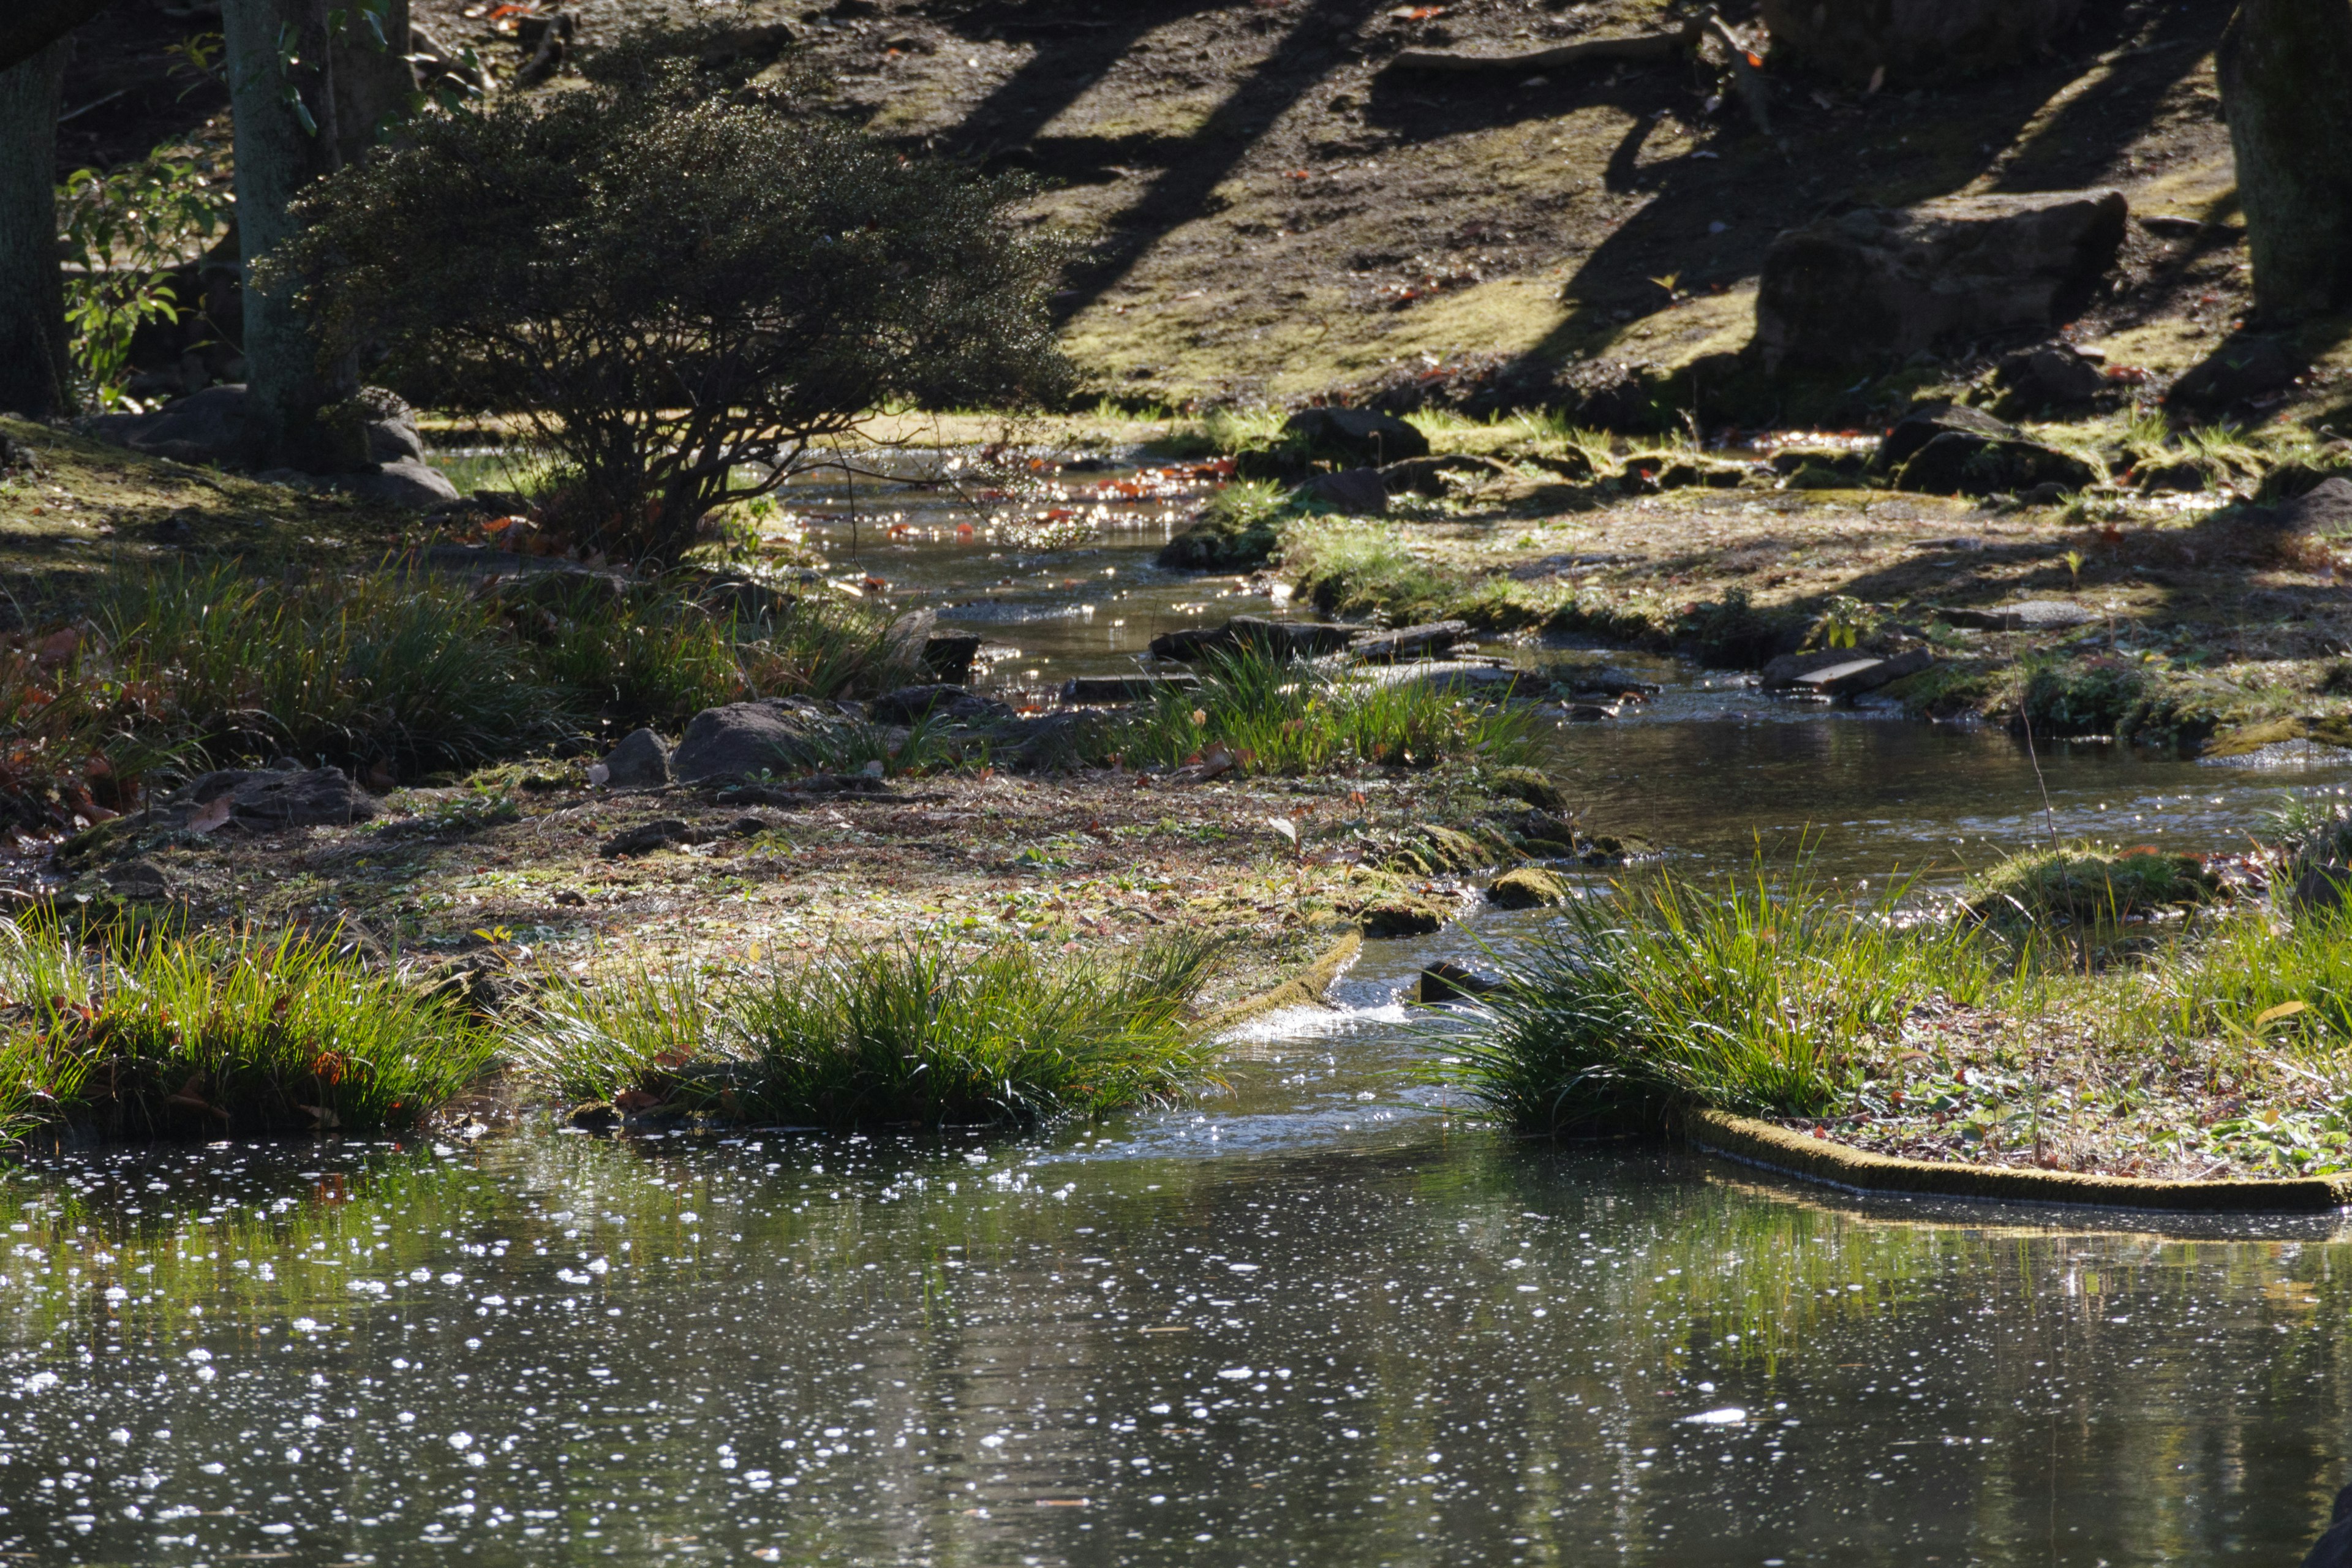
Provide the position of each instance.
(165, 1036)
(1762, 996)
(1284, 717)
(913, 1033)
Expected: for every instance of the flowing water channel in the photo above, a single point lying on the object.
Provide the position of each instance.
(1314, 1319)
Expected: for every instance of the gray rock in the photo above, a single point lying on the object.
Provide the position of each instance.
(1886, 283)
(912, 704)
(639, 761)
(1914, 39)
(1956, 463)
(1100, 689)
(269, 799)
(136, 879)
(1410, 642)
(2327, 508)
(1855, 674)
(775, 734)
(2055, 375)
(1446, 980)
(1359, 492)
(2030, 614)
(646, 839)
(1217, 543)
(2334, 1549)
(395, 440)
(208, 426)
(2240, 371)
(1911, 434)
(1283, 639)
(1356, 437)
(1784, 673)
(404, 483)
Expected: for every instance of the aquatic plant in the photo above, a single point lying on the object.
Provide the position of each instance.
(2084, 885)
(163, 1035)
(1274, 717)
(917, 1033)
(1765, 995)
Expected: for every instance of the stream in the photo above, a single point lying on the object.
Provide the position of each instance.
(1314, 1319)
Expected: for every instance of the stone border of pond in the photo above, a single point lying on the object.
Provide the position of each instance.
(1816, 1158)
(1304, 989)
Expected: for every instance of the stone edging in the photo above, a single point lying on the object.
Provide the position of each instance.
(1858, 1170)
(1304, 989)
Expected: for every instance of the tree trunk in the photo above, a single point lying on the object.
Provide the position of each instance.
(2286, 69)
(28, 27)
(373, 85)
(36, 380)
(277, 154)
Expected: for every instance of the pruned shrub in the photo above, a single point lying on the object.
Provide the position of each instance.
(685, 294)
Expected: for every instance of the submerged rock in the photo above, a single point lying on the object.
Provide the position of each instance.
(1446, 980)
(1879, 283)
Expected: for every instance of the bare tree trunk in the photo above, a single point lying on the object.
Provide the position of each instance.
(36, 380)
(2286, 69)
(282, 96)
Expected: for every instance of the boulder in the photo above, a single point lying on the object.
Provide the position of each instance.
(1914, 39)
(912, 704)
(2240, 371)
(775, 734)
(1410, 642)
(639, 761)
(1948, 450)
(1220, 543)
(2325, 509)
(948, 656)
(404, 483)
(207, 427)
(1533, 786)
(1357, 438)
(1283, 639)
(268, 799)
(2055, 375)
(1528, 888)
(1879, 283)
(1359, 492)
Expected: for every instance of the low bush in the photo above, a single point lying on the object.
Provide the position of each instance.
(2062, 700)
(165, 1035)
(1276, 717)
(1765, 995)
(691, 293)
(912, 1034)
(2088, 887)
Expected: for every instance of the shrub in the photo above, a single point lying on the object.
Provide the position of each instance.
(1282, 718)
(1764, 996)
(911, 1034)
(2085, 885)
(220, 1034)
(122, 231)
(683, 292)
(2061, 700)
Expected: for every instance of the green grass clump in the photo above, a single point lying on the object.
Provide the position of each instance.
(2085, 886)
(166, 1036)
(1284, 717)
(912, 1034)
(2252, 978)
(1360, 569)
(1764, 995)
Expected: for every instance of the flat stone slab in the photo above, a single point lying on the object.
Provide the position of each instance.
(2027, 615)
(1852, 677)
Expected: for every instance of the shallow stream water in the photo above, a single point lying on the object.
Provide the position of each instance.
(1314, 1319)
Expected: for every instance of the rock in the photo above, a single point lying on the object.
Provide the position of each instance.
(1914, 39)
(948, 656)
(1475, 680)
(1356, 437)
(912, 704)
(2321, 887)
(2324, 509)
(1221, 543)
(592, 1116)
(1283, 639)
(1100, 689)
(136, 879)
(207, 427)
(266, 800)
(2029, 615)
(1956, 463)
(1911, 434)
(1855, 674)
(1055, 741)
(775, 734)
(1530, 786)
(2240, 371)
(1886, 283)
(1527, 888)
(639, 761)
(1426, 476)
(2055, 375)
(1410, 642)
(2334, 1548)
(1359, 492)
(905, 638)
(1445, 981)
(2183, 478)
(1396, 914)
(398, 484)
(745, 600)
(395, 440)
(654, 836)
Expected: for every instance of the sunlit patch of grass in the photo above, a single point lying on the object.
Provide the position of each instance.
(164, 1035)
(1764, 994)
(1356, 569)
(1276, 717)
(917, 1033)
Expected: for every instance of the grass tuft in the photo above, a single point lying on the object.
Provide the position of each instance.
(2088, 887)
(911, 1034)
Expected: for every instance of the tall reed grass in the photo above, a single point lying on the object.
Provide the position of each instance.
(1277, 717)
(164, 1035)
(916, 1033)
(1763, 994)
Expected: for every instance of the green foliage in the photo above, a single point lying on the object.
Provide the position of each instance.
(1282, 718)
(2065, 699)
(1358, 569)
(1240, 527)
(2309, 833)
(911, 1034)
(2254, 981)
(1764, 996)
(1730, 633)
(2085, 885)
(165, 1036)
(685, 291)
(119, 232)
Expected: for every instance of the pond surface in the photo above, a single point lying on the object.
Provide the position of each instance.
(1314, 1319)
